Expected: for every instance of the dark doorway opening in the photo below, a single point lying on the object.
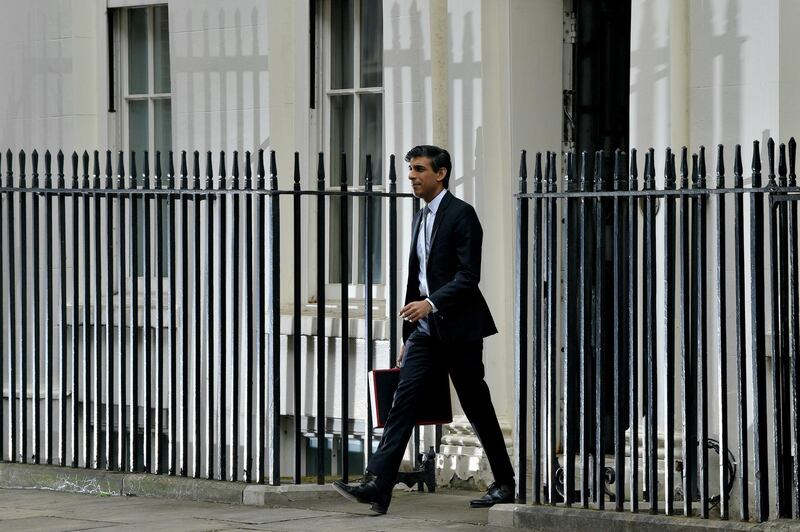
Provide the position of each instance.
(596, 117)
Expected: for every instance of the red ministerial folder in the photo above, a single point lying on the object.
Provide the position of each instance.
(435, 408)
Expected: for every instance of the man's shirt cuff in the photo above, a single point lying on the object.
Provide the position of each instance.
(433, 307)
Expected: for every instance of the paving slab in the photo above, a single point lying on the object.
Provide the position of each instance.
(410, 511)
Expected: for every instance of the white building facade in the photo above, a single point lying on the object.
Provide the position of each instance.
(483, 78)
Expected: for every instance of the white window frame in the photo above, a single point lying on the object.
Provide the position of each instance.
(356, 291)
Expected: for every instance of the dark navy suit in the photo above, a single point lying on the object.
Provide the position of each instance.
(454, 342)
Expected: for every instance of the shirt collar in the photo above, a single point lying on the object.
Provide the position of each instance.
(433, 206)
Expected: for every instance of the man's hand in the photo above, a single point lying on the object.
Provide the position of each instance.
(415, 311)
(400, 355)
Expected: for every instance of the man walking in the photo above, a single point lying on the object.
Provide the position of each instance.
(445, 321)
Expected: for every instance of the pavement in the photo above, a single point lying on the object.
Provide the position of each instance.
(48, 510)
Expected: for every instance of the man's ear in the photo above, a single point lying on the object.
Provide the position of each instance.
(441, 174)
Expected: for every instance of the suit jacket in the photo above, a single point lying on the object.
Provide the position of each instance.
(453, 270)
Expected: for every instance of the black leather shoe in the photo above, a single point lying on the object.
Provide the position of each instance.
(366, 493)
(496, 494)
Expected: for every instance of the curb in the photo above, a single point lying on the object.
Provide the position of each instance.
(560, 519)
(111, 483)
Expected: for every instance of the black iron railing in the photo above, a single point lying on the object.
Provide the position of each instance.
(594, 292)
(117, 361)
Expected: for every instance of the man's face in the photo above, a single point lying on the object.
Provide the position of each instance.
(425, 183)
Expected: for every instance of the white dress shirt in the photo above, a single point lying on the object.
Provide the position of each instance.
(424, 238)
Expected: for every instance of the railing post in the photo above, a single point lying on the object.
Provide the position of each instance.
(741, 339)
(794, 330)
(221, 437)
(22, 449)
(11, 316)
(669, 331)
(520, 333)
(96, 378)
(633, 328)
(758, 341)
(296, 325)
(568, 329)
(35, 312)
(274, 354)
(649, 303)
(48, 320)
(320, 410)
(619, 346)
(344, 273)
(599, 334)
(536, 338)
(121, 362)
(722, 337)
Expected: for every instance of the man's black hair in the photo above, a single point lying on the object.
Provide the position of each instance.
(439, 157)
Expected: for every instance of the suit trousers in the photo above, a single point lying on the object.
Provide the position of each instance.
(464, 363)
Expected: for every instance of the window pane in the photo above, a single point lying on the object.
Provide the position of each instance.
(161, 49)
(376, 240)
(371, 136)
(137, 51)
(335, 270)
(342, 37)
(162, 116)
(138, 127)
(341, 138)
(371, 43)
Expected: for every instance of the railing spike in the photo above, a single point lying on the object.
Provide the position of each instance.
(668, 177)
(48, 169)
(96, 168)
(196, 167)
(120, 169)
(368, 169)
(392, 171)
(222, 169)
(171, 169)
(60, 166)
(756, 163)
(108, 169)
(619, 165)
(260, 169)
(720, 166)
(158, 168)
(569, 173)
(343, 168)
(75, 161)
(184, 169)
(22, 168)
(273, 170)
(9, 168)
(792, 156)
(296, 169)
(537, 170)
(34, 163)
(235, 170)
(738, 168)
(584, 170)
(684, 167)
(248, 170)
(523, 165)
(771, 162)
(782, 161)
(209, 170)
(701, 163)
(133, 169)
